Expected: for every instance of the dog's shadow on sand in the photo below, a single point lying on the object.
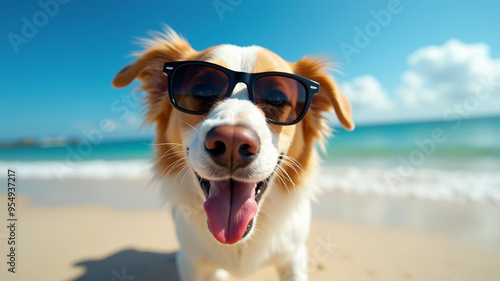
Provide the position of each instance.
(128, 265)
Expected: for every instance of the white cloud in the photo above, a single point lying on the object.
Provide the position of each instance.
(447, 73)
(438, 79)
(366, 91)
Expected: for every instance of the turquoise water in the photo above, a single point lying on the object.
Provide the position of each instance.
(446, 143)
(123, 150)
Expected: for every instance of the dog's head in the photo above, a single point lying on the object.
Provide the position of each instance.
(234, 119)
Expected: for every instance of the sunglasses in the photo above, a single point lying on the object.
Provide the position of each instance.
(194, 87)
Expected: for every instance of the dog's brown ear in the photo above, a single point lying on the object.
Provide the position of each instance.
(328, 97)
(148, 68)
(162, 47)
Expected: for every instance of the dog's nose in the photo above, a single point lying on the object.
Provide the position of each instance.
(232, 146)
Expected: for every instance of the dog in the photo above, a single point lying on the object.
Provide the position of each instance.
(236, 129)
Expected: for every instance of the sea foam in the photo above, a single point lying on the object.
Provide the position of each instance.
(439, 185)
(92, 170)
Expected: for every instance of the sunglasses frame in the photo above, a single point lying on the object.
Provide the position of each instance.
(235, 77)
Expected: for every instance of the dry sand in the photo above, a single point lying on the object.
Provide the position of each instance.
(99, 243)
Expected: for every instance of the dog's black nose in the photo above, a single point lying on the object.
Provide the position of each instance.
(232, 147)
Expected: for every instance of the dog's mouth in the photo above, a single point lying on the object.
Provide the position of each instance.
(231, 206)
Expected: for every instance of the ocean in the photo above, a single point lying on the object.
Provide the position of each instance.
(472, 144)
(473, 139)
(439, 160)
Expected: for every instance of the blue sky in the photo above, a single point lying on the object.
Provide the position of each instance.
(57, 77)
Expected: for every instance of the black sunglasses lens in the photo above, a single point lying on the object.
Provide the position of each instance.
(196, 88)
(283, 99)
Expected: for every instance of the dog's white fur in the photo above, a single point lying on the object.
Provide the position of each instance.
(281, 232)
(281, 225)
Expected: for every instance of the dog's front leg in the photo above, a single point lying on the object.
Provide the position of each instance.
(187, 270)
(190, 271)
(296, 268)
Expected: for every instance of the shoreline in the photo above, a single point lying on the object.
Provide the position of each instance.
(470, 222)
(482, 186)
(90, 228)
(348, 195)
(81, 243)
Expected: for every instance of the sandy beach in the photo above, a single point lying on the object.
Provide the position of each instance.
(353, 237)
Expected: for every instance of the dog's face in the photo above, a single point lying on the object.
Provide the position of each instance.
(236, 144)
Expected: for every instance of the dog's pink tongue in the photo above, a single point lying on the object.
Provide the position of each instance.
(229, 210)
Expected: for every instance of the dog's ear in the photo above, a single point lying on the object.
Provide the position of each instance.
(327, 99)
(148, 68)
(161, 48)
